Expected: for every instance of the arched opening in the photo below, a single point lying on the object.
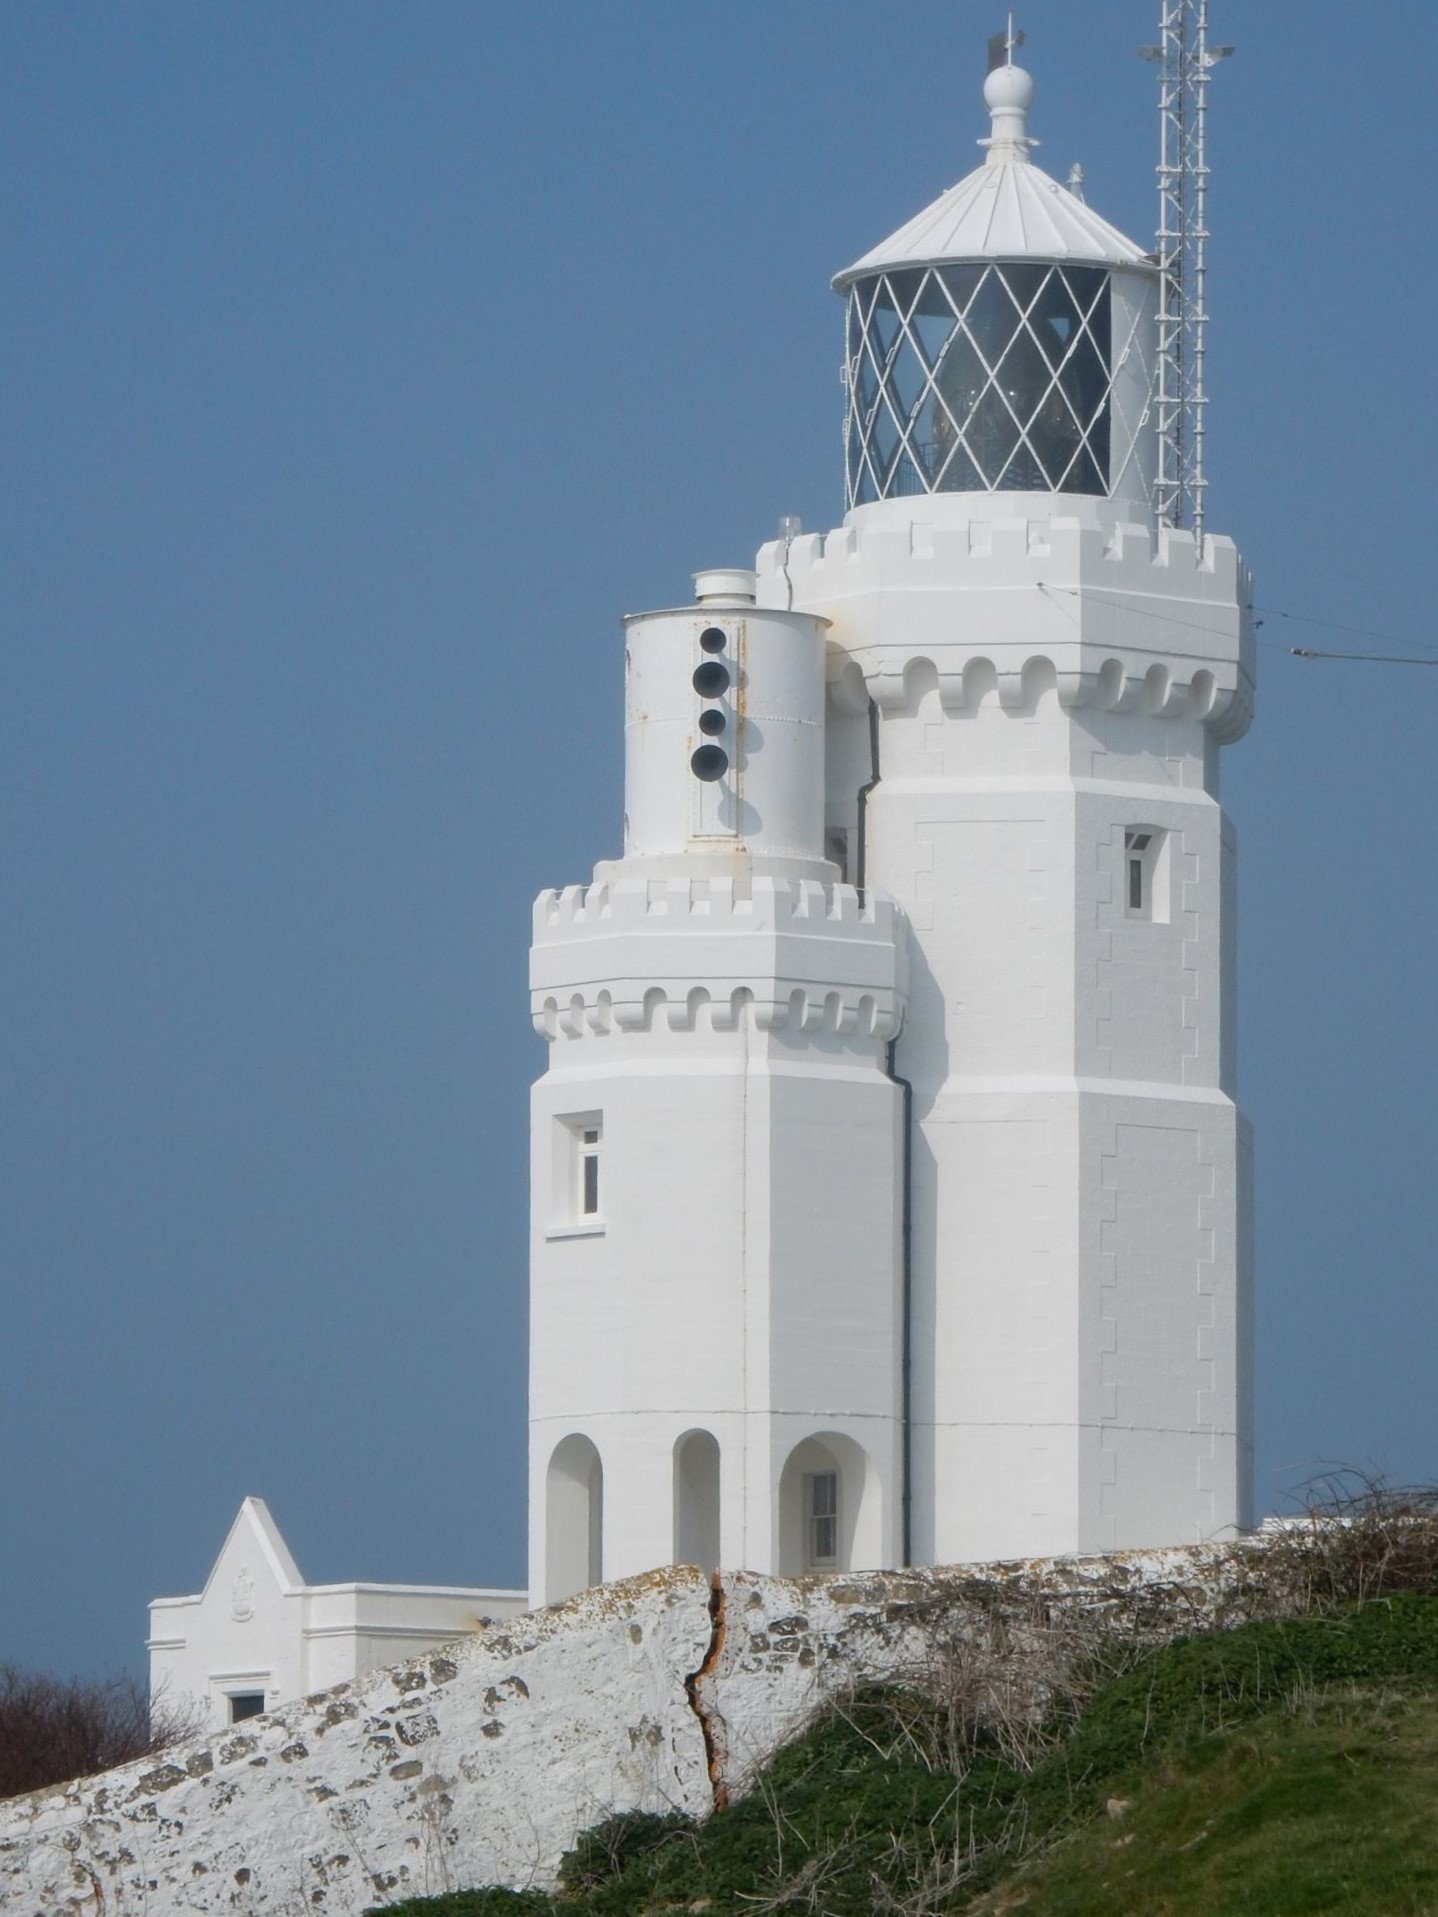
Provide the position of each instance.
(573, 1519)
(829, 1508)
(696, 1500)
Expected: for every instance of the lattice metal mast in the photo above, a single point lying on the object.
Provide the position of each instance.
(1185, 61)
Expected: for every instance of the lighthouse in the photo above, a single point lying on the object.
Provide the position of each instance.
(889, 1197)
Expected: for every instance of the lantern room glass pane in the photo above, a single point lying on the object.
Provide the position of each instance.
(961, 379)
(883, 440)
(904, 286)
(992, 436)
(1054, 320)
(932, 320)
(980, 377)
(908, 378)
(1025, 281)
(959, 473)
(961, 283)
(884, 324)
(992, 318)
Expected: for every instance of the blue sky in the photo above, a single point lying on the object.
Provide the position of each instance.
(361, 366)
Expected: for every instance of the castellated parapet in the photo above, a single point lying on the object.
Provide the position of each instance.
(797, 955)
(715, 1134)
(1120, 617)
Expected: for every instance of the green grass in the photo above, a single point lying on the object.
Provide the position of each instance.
(1330, 1808)
(1268, 1771)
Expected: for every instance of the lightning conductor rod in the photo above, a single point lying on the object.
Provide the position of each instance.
(1001, 45)
(1185, 60)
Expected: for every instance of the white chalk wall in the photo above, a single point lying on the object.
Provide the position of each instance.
(481, 1763)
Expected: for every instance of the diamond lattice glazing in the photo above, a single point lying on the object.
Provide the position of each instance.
(980, 378)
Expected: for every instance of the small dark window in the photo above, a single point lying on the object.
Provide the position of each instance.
(824, 1517)
(1136, 848)
(711, 722)
(709, 762)
(713, 639)
(589, 1172)
(245, 1704)
(711, 678)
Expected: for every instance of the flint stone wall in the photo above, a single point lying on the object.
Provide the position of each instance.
(480, 1764)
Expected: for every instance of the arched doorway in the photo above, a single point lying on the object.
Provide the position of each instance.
(573, 1519)
(829, 1508)
(696, 1500)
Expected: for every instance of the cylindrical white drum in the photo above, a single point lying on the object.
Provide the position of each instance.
(724, 731)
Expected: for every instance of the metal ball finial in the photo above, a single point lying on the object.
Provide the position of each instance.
(1008, 94)
(1008, 89)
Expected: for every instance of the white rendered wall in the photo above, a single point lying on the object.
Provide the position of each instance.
(258, 1628)
(718, 1008)
(1046, 680)
(742, 1278)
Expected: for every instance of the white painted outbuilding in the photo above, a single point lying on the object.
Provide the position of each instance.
(258, 1637)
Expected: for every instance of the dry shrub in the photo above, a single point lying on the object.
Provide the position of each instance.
(53, 1729)
(1009, 1680)
(1007, 1671)
(1358, 1538)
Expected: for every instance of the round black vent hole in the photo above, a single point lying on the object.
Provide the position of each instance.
(711, 678)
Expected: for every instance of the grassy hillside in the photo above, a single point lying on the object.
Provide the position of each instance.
(1280, 1768)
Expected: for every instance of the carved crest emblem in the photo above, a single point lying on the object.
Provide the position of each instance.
(242, 1596)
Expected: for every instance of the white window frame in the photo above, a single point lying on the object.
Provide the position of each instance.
(588, 1156)
(1145, 860)
(229, 1685)
(814, 1518)
(577, 1176)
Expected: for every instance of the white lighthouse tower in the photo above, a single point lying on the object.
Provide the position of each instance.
(890, 1200)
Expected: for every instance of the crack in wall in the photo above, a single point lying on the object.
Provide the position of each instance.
(712, 1727)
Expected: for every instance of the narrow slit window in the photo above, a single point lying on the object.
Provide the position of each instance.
(1137, 847)
(589, 1172)
(824, 1518)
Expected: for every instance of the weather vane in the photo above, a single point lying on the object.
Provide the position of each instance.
(1001, 46)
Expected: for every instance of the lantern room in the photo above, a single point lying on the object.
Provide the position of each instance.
(1003, 341)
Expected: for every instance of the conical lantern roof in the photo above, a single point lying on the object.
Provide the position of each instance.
(1006, 209)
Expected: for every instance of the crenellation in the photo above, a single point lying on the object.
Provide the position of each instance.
(708, 906)
(1088, 602)
(717, 1005)
(1070, 543)
(1115, 685)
